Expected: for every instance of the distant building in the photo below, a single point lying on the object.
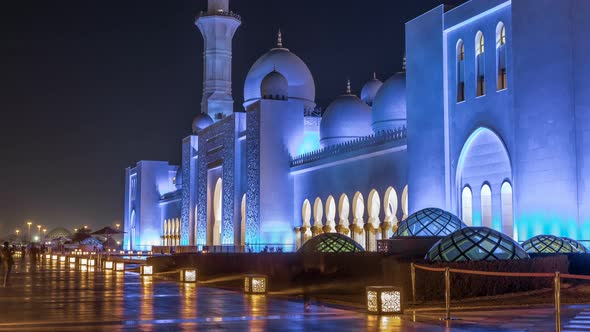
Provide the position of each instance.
(489, 121)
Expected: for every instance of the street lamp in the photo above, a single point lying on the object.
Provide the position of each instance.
(117, 225)
(29, 223)
(17, 231)
(39, 230)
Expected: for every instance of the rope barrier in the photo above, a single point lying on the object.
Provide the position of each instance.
(502, 274)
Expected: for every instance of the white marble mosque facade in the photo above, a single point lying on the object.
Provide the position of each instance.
(487, 121)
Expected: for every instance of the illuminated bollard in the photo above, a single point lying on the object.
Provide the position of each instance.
(120, 267)
(108, 265)
(72, 260)
(48, 257)
(62, 259)
(383, 300)
(188, 275)
(83, 261)
(255, 284)
(146, 270)
(92, 262)
(54, 257)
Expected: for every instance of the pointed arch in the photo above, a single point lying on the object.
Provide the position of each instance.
(390, 207)
(343, 214)
(467, 206)
(486, 205)
(217, 212)
(374, 203)
(502, 74)
(460, 71)
(358, 212)
(508, 210)
(480, 64)
(330, 214)
(318, 216)
(405, 202)
(306, 213)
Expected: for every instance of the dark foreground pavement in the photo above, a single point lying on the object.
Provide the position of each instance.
(60, 298)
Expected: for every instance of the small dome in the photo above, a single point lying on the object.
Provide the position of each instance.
(389, 106)
(274, 86)
(429, 222)
(299, 78)
(201, 122)
(547, 244)
(178, 179)
(475, 244)
(578, 246)
(370, 90)
(346, 118)
(330, 242)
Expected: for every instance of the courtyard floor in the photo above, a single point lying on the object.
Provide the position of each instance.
(59, 298)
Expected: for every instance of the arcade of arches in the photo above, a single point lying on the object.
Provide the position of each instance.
(355, 218)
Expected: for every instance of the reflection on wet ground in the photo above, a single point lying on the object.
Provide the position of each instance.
(63, 298)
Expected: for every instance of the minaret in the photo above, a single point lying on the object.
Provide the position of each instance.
(218, 26)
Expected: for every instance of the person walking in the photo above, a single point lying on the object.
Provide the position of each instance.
(7, 262)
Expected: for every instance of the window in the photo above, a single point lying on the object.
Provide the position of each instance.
(507, 212)
(467, 206)
(460, 71)
(480, 64)
(486, 206)
(501, 56)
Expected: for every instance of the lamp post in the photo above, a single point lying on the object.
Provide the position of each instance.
(29, 223)
(118, 226)
(39, 231)
(17, 231)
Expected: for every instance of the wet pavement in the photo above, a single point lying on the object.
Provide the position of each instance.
(61, 298)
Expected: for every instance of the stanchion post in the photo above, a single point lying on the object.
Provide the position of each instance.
(448, 293)
(557, 288)
(413, 276)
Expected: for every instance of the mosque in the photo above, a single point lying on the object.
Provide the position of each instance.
(488, 119)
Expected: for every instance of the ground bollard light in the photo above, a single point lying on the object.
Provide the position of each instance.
(188, 275)
(62, 259)
(109, 265)
(83, 261)
(146, 270)
(54, 257)
(255, 284)
(72, 260)
(48, 256)
(92, 262)
(120, 267)
(384, 300)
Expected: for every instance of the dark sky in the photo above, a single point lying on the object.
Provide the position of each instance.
(90, 87)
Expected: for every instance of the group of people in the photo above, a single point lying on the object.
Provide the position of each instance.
(7, 258)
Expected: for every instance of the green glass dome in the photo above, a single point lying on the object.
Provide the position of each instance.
(429, 222)
(548, 244)
(330, 242)
(578, 246)
(475, 244)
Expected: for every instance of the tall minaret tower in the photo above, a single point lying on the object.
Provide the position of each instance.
(218, 26)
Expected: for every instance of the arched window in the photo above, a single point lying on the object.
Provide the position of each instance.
(486, 206)
(467, 206)
(507, 211)
(460, 71)
(501, 56)
(480, 64)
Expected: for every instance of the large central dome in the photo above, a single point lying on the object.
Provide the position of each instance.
(301, 84)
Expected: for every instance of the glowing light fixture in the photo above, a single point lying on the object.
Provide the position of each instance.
(62, 259)
(146, 270)
(72, 259)
(48, 256)
(188, 275)
(83, 261)
(108, 265)
(384, 300)
(54, 257)
(120, 267)
(92, 262)
(255, 284)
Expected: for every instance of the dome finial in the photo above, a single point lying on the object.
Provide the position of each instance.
(280, 39)
(348, 88)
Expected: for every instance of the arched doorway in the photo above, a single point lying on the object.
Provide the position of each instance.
(217, 212)
(484, 165)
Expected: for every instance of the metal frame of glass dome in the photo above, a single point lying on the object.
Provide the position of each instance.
(577, 245)
(331, 243)
(429, 222)
(548, 244)
(475, 244)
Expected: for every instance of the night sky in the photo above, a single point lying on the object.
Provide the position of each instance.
(90, 87)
